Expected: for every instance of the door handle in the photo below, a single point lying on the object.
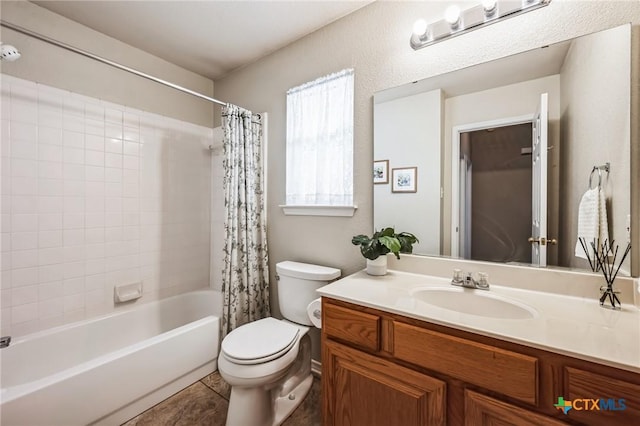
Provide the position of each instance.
(543, 241)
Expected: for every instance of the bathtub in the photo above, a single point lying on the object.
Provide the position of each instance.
(107, 370)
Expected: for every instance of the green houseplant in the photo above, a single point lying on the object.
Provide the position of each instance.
(385, 241)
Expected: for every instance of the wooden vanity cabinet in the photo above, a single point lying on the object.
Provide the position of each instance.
(385, 369)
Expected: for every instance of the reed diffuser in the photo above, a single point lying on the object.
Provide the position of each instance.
(603, 258)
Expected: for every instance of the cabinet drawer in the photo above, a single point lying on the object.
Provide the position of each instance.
(480, 410)
(357, 328)
(585, 385)
(499, 370)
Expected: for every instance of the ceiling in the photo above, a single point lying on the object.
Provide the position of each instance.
(211, 37)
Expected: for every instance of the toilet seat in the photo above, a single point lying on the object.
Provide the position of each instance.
(269, 339)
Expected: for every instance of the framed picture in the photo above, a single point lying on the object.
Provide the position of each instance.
(381, 171)
(404, 179)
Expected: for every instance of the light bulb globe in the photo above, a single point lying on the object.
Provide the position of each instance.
(419, 27)
(452, 15)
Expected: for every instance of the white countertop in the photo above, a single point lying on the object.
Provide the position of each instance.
(568, 325)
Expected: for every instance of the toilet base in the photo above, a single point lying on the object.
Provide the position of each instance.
(256, 406)
(271, 403)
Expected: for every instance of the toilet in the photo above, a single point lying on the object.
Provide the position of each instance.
(268, 362)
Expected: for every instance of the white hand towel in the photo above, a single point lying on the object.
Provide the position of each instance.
(592, 221)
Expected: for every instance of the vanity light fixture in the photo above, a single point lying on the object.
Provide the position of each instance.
(457, 21)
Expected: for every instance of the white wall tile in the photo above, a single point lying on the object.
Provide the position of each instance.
(94, 158)
(24, 240)
(50, 256)
(24, 168)
(73, 139)
(49, 170)
(50, 307)
(50, 221)
(50, 290)
(94, 173)
(73, 220)
(24, 295)
(50, 187)
(22, 204)
(74, 172)
(24, 276)
(76, 175)
(94, 142)
(47, 273)
(73, 286)
(23, 313)
(73, 155)
(48, 239)
(94, 235)
(24, 222)
(50, 153)
(113, 145)
(24, 186)
(27, 150)
(24, 258)
(47, 205)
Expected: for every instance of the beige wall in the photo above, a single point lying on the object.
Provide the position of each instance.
(594, 133)
(47, 64)
(375, 42)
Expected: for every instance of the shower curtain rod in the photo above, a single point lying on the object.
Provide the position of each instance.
(106, 61)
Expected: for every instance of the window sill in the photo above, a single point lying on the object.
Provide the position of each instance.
(344, 211)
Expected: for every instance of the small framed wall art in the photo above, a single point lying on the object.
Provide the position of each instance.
(381, 171)
(404, 179)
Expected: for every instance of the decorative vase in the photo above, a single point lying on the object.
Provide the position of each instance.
(377, 266)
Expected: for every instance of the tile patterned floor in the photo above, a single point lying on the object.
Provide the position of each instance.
(205, 403)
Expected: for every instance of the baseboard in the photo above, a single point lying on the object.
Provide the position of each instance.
(316, 368)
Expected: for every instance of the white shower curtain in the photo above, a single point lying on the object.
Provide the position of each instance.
(245, 281)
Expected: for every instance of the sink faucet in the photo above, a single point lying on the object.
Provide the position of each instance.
(482, 283)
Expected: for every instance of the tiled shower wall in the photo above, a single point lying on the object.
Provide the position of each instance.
(96, 195)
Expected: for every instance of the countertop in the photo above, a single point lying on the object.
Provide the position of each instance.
(568, 325)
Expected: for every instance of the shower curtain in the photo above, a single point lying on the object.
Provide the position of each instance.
(245, 280)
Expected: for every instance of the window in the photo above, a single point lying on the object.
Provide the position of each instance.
(320, 144)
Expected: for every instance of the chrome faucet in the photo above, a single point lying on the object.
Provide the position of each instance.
(482, 283)
(5, 341)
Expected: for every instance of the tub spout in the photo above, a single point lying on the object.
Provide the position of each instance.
(5, 341)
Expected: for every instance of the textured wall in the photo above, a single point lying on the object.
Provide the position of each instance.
(51, 65)
(375, 41)
(595, 69)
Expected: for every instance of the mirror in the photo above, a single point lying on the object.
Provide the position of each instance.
(489, 141)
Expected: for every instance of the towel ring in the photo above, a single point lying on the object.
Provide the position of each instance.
(599, 176)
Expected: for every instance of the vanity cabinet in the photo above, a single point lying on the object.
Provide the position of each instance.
(380, 368)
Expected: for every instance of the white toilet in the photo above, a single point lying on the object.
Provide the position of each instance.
(268, 362)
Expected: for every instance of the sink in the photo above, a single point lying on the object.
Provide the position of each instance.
(474, 302)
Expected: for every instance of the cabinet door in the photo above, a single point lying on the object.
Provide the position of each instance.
(363, 390)
(481, 410)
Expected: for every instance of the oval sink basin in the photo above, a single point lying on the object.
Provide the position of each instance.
(474, 302)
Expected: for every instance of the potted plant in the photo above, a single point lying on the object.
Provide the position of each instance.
(375, 248)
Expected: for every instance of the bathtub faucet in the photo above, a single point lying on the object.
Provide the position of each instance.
(5, 341)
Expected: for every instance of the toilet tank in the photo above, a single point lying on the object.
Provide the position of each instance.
(297, 285)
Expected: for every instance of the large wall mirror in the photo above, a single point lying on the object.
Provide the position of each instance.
(491, 162)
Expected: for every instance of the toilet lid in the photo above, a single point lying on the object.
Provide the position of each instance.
(259, 341)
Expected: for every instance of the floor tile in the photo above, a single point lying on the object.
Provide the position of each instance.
(205, 403)
(216, 383)
(195, 405)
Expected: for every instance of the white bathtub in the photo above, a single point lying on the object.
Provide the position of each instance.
(109, 369)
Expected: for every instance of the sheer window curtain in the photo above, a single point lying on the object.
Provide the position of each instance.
(320, 141)
(245, 280)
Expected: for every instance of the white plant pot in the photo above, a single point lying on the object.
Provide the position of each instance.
(378, 266)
